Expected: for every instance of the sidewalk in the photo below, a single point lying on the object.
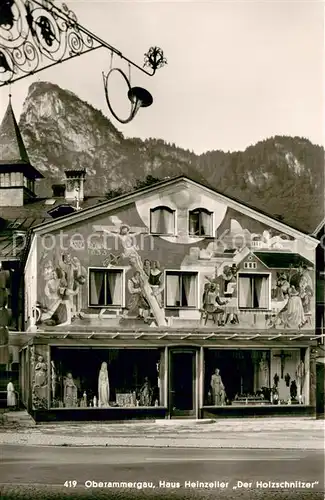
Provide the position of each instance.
(275, 433)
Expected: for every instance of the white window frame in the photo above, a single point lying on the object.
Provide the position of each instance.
(205, 210)
(122, 270)
(179, 272)
(250, 265)
(153, 209)
(253, 309)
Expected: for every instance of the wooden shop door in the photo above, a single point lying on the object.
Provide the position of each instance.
(182, 383)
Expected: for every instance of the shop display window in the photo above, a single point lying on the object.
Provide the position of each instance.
(236, 377)
(83, 377)
(255, 377)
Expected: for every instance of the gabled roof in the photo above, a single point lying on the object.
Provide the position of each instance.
(319, 228)
(282, 260)
(125, 199)
(12, 147)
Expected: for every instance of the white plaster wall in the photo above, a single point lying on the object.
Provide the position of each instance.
(182, 199)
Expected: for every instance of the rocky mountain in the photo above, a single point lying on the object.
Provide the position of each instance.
(283, 176)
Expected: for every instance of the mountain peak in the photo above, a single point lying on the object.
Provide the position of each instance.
(276, 175)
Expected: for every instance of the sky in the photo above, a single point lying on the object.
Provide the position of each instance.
(238, 71)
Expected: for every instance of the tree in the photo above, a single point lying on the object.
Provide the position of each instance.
(148, 181)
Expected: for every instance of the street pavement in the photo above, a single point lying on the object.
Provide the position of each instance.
(160, 473)
(272, 433)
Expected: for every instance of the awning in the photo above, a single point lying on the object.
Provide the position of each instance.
(24, 337)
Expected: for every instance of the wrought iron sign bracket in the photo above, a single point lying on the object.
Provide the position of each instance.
(36, 35)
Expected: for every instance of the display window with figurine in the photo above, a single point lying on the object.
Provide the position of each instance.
(106, 377)
(240, 377)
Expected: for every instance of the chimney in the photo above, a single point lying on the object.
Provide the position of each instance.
(58, 190)
(74, 184)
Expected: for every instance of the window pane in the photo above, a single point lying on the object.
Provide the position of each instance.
(106, 288)
(206, 224)
(245, 292)
(162, 221)
(260, 292)
(114, 288)
(189, 290)
(172, 290)
(97, 288)
(200, 223)
(134, 377)
(194, 223)
(240, 377)
(254, 291)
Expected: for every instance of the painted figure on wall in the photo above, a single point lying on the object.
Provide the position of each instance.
(147, 267)
(103, 386)
(137, 300)
(292, 315)
(218, 389)
(131, 248)
(294, 288)
(230, 280)
(212, 303)
(282, 286)
(62, 291)
(70, 395)
(156, 281)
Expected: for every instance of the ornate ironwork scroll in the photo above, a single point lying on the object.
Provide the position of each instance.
(36, 34)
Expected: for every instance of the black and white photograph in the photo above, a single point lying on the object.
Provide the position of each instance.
(162, 249)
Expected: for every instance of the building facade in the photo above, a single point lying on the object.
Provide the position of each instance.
(196, 305)
(171, 301)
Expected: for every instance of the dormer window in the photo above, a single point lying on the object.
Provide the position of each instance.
(200, 222)
(162, 221)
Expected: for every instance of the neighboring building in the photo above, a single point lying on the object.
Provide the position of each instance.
(319, 233)
(166, 285)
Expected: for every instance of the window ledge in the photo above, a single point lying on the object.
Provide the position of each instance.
(162, 234)
(186, 308)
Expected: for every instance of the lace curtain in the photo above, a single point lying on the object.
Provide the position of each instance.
(162, 221)
(181, 290)
(254, 292)
(105, 288)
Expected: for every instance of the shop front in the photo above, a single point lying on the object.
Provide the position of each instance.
(158, 375)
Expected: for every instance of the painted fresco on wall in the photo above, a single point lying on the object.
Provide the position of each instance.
(142, 266)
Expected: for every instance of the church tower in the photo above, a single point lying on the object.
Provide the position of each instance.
(17, 175)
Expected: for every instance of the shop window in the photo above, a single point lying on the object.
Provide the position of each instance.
(181, 289)
(107, 377)
(106, 287)
(162, 221)
(200, 222)
(237, 377)
(254, 291)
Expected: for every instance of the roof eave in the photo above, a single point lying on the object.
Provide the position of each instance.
(129, 197)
